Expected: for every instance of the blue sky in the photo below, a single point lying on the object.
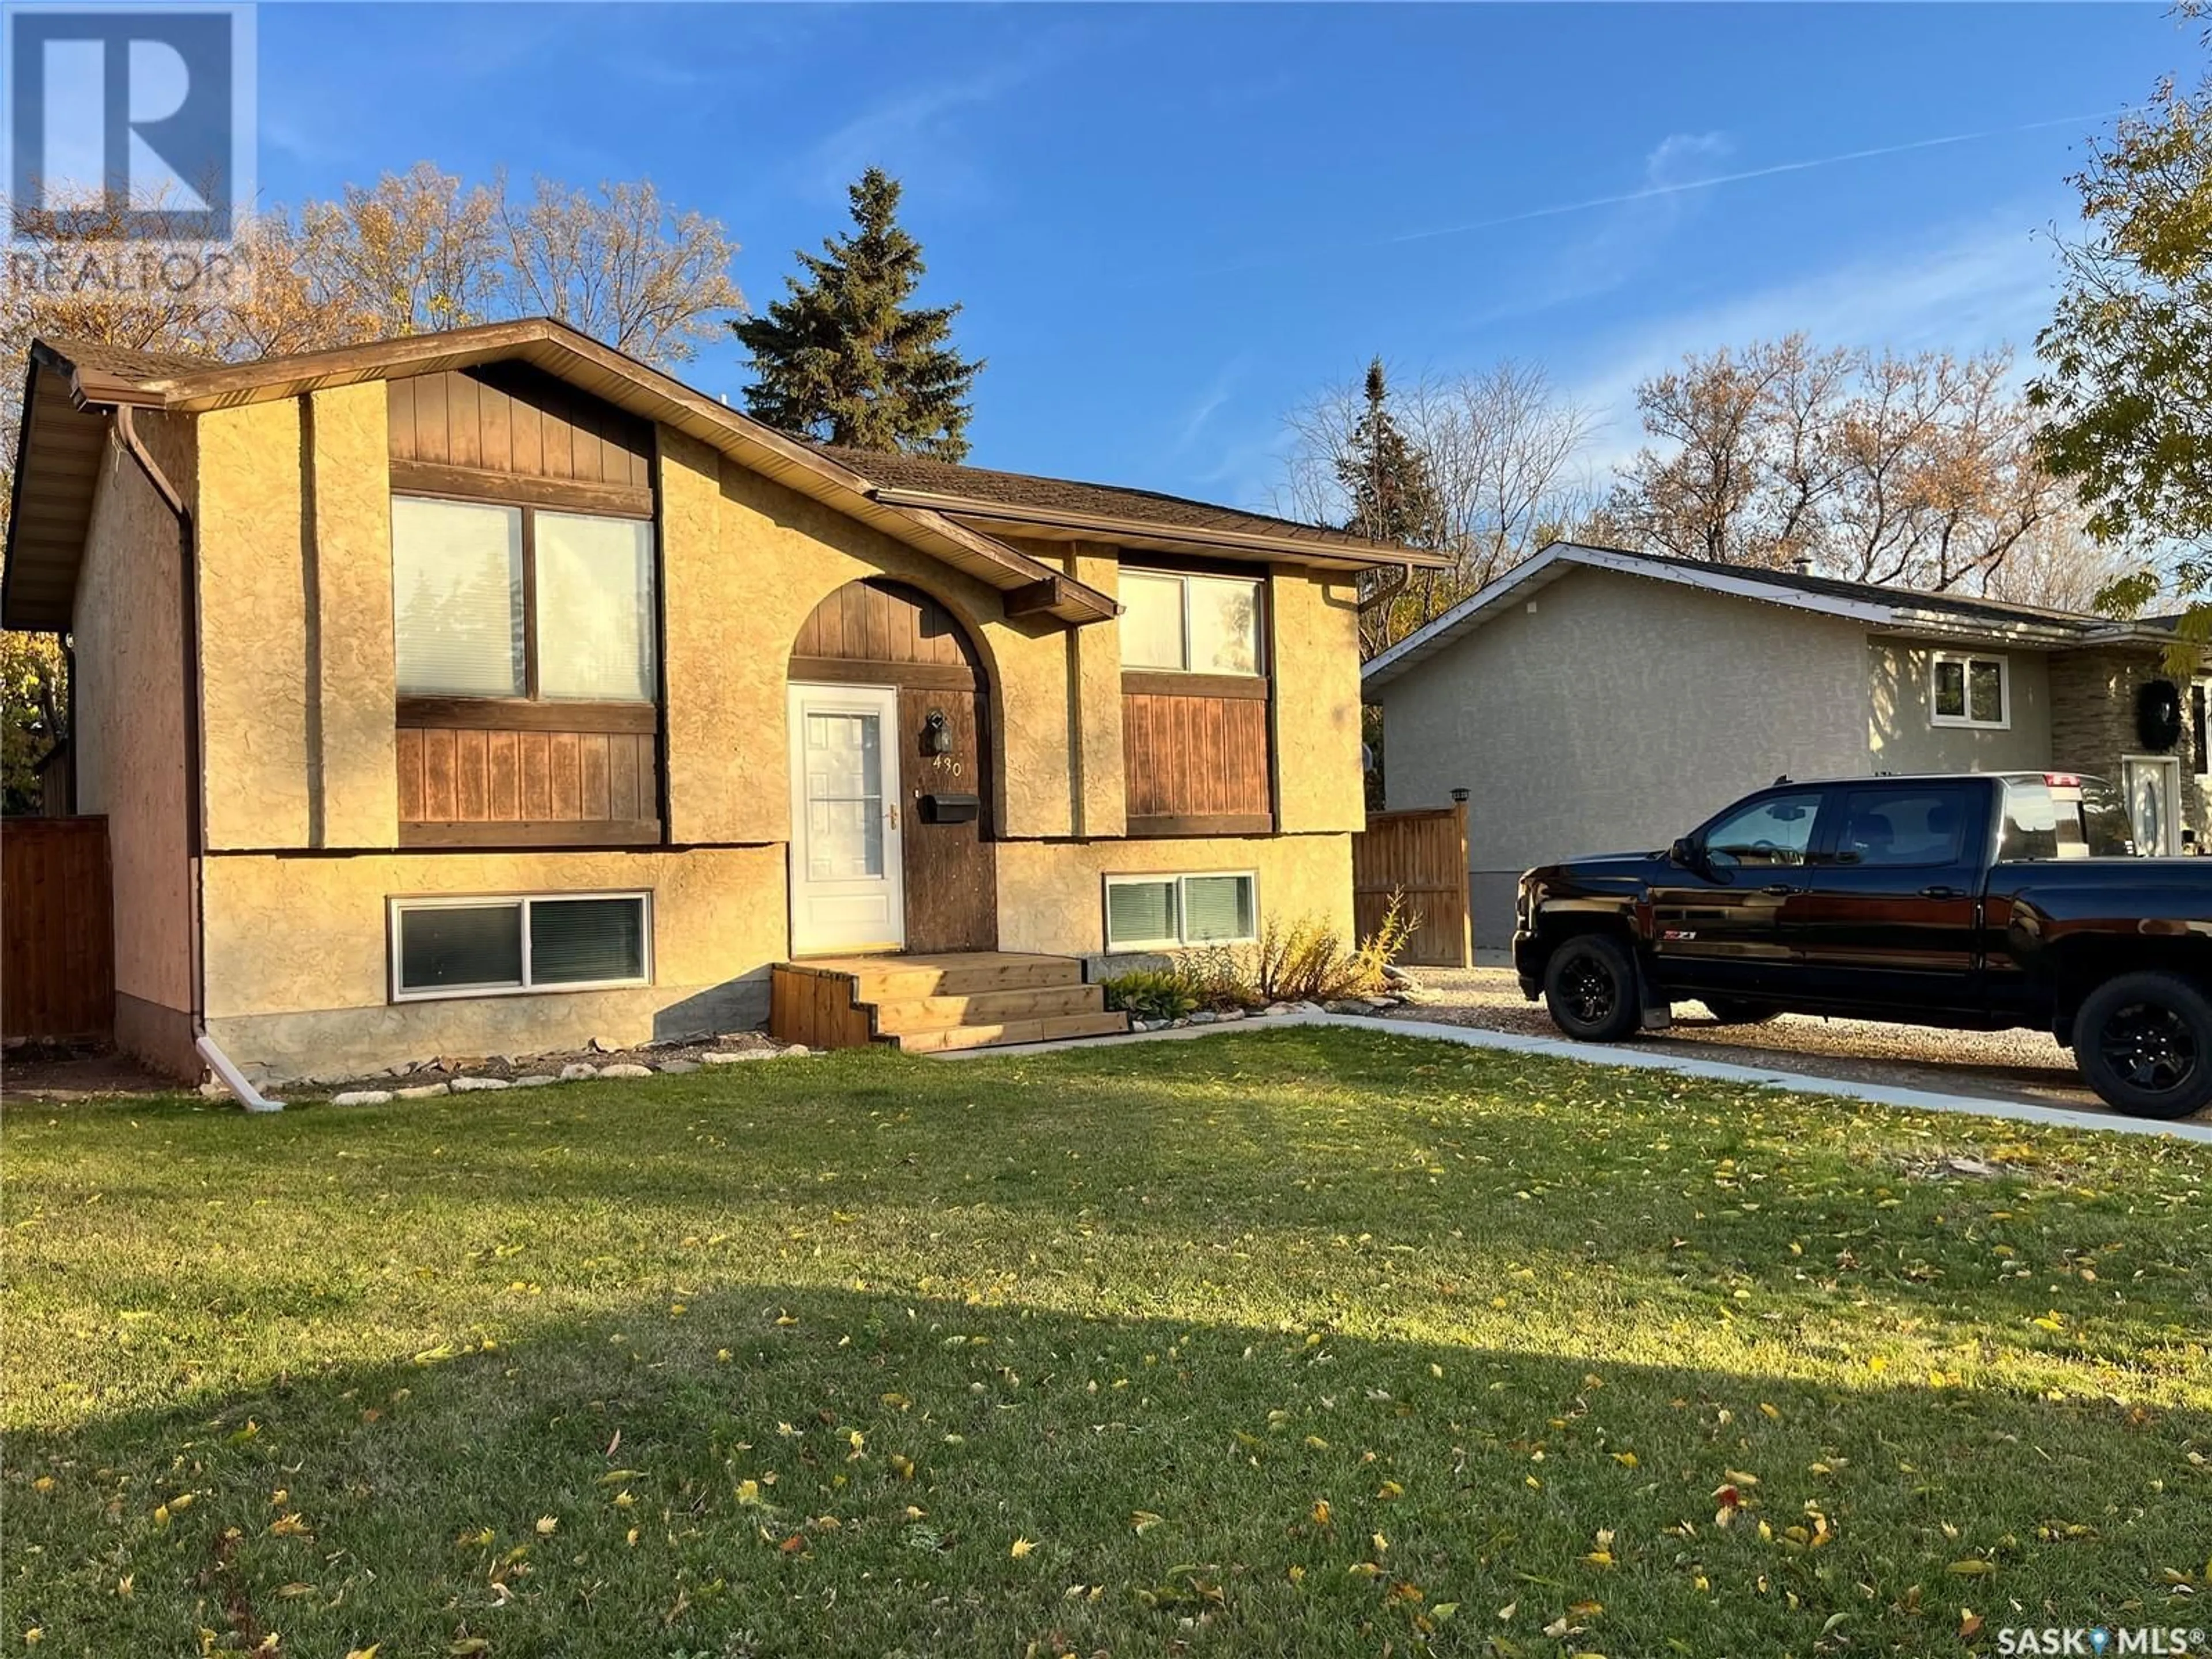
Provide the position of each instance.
(1169, 224)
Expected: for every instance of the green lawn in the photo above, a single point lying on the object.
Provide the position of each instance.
(1309, 1341)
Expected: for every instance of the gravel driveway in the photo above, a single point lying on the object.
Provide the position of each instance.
(2025, 1066)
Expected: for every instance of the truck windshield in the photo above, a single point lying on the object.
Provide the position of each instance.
(2082, 818)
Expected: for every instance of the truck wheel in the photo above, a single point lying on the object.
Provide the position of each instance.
(1731, 1011)
(1589, 989)
(2144, 1043)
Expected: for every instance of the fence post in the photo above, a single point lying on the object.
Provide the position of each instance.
(1465, 888)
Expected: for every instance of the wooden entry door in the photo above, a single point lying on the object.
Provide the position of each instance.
(847, 872)
(952, 874)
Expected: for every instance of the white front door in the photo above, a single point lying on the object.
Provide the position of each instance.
(846, 887)
(2151, 783)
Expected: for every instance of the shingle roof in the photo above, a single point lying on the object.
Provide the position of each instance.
(1050, 497)
(125, 362)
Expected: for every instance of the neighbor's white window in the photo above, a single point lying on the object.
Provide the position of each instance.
(458, 947)
(1969, 690)
(463, 574)
(1190, 624)
(1155, 913)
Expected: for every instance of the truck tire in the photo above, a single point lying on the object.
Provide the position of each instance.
(1590, 989)
(2144, 1043)
(1733, 1011)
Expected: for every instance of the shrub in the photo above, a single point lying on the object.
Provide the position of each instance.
(1221, 977)
(1150, 993)
(1310, 961)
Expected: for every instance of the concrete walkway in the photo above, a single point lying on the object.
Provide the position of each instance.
(1595, 1054)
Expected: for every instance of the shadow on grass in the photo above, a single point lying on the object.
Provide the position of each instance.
(793, 1470)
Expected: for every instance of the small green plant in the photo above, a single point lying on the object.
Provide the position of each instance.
(1221, 977)
(1151, 994)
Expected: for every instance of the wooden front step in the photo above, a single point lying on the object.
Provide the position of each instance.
(929, 1004)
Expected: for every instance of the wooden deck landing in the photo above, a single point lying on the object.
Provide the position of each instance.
(930, 1004)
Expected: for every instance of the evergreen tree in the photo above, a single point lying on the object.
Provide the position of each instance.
(843, 357)
(1387, 480)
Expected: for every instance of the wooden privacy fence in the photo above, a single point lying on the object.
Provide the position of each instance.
(1423, 855)
(57, 930)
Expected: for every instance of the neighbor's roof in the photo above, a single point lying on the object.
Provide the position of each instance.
(73, 386)
(1897, 610)
(1069, 510)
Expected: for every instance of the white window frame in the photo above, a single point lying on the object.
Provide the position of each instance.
(1183, 579)
(397, 906)
(1967, 659)
(1175, 879)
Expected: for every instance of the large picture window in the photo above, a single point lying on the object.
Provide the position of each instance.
(1176, 623)
(1969, 690)
(1157, 912)
(497, 601)
(456, 947)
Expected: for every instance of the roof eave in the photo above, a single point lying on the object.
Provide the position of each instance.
(1348, 555)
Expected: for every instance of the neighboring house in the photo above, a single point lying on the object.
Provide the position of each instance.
(488, 692)
(1592, 699)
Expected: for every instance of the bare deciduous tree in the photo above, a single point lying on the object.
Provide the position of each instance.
(1917, 471)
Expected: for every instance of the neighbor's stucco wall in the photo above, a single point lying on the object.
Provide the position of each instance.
(1616, 713)
(298, 955)
(1052, 894)
(127, 704)
(1901, 698)
(1314, 654)
(353, 789)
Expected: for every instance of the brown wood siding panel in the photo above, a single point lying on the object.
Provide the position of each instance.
(514, 419)
(886, 625)
(1196, 758)
(950, 869)
(1421, 854)
(467, 777)
(57, 930)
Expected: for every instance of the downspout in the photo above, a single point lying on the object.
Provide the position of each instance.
(195, 783)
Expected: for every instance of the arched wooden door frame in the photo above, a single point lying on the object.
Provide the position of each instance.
(878, 631)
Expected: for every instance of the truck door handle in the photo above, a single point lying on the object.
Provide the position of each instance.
(1940, 891)
(1779, 890)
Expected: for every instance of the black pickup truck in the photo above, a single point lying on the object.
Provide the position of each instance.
(1976, 901)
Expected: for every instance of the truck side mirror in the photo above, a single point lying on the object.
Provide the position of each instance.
(1687, 852)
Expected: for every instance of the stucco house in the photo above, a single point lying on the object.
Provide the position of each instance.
(1595, 700)
(489, 692)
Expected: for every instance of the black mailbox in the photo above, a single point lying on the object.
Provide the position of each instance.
(950, 809)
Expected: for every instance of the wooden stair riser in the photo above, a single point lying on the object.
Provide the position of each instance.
(892, 984)
(947, 1038)
(897, 1017)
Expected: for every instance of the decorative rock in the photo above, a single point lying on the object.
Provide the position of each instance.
(423, 1090)
(797, 1051)
(465, 1086)
(1277, 1009)
(577, 1072)
(1203, 1016)
(1230, 1013)
(731, 1057)
(363, 1097)
(214, 1091)
(679, 1066)
(626, 1068)
(602, 1046)
(535, 1080)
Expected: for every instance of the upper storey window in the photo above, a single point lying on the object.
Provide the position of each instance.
(1189, 624)
(496, 601)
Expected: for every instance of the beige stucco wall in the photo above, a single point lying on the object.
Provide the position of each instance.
(1052, 893)
(298, 954)
(1315, 651)
(1900, 696)
(253, 626)
(128, 705)
(354, 787)
(741, 579)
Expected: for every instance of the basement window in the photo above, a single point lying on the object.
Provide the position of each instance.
(475, 947)
(1969, 690)
(1161, 913)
